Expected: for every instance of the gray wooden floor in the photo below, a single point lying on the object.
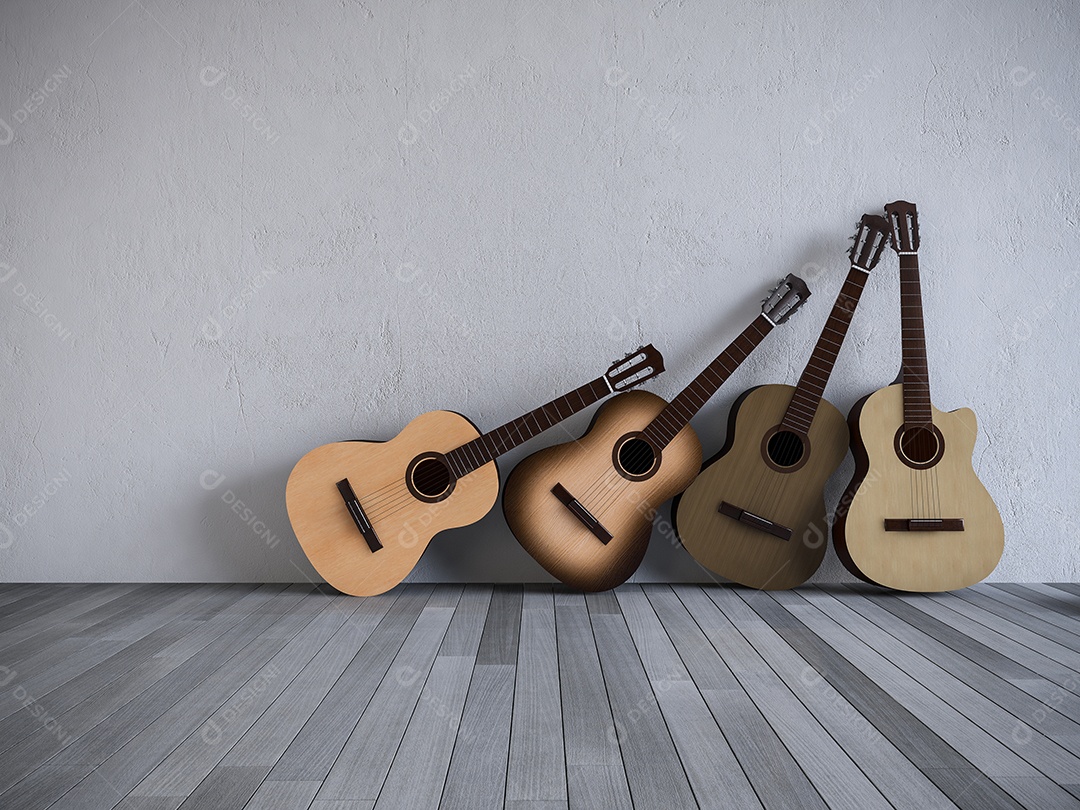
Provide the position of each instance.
(213, 696)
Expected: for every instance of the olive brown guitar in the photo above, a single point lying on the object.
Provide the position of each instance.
(364, 512)
(584, 510)
(756, 513)
(915, 517)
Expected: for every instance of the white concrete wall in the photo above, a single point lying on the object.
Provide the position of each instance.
(232, 232)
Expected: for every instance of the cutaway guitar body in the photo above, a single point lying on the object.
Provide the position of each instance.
(924, 548)
(596, 538)
(915, 517)
(402, 522)
(719, 517)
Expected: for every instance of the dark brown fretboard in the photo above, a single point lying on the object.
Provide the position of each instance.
(915, 373)
(680, 410)
(485, 448)
(804, 402)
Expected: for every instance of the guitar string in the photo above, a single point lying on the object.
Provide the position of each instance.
(777, 496)
(599, 491)
(599, 483)
(911, 489)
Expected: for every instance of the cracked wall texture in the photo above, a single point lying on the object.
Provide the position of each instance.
(233, 232)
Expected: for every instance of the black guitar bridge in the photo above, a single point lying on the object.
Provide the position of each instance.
(581, 513)
(356, 512)
(754, 521)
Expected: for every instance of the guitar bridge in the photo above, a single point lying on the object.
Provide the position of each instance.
(581, 513)
(924, 524)
(754, 521)
(356, 512)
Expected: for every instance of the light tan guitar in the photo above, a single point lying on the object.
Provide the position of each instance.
(756, 513)
(915, 516)
(364, 512)
(584, 510)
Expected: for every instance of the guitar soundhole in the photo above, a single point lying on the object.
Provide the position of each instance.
(636, 458)
(785, 448)
(920, 447)
(429, 478)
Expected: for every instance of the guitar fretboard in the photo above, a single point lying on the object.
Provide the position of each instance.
(493, 444)
(804, 402)
(915, 374)
(678, 413)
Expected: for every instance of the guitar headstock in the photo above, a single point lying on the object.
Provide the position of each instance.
(640, 366)
(784, 299)
(870, 241)
(904, 222)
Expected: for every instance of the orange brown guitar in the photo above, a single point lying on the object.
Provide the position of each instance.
(584, 510)
(364, 512)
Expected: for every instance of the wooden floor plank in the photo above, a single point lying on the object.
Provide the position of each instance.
(903, 784)
(418, 773)
(537, 768)
(277, 727)
(1064, 644)
(32, 607)
(499, 643)
(901, 621)
(12, 591)
(66, 620)
(776, 778)
(152, 744)
(1028, 742)
(197, 757)
(1035, 604)
(964, 618)
(1024, 640)
(128, 745)
(655, 774)
(98, 724)
(477, 773)
(1066, 606)
(88, 675)
(832, 772)
(360, 769)
(595, 775)
(317, 745)
(986, 752)
(225, 788)
(283, 796)
(655, 619)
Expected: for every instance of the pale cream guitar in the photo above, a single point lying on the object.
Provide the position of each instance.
(915, 516)
(364, 512)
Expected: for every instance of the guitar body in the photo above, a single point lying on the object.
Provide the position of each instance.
(740, 475)
(558, 540)
(884, 487)
(377, 474)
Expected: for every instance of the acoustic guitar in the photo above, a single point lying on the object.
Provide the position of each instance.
(364, 512)
(584, 510)
(756, 513)
(915, 516)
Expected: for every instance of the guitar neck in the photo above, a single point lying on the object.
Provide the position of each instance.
(678, 413)
(915, 374)
(804, 402)
(501, 440)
